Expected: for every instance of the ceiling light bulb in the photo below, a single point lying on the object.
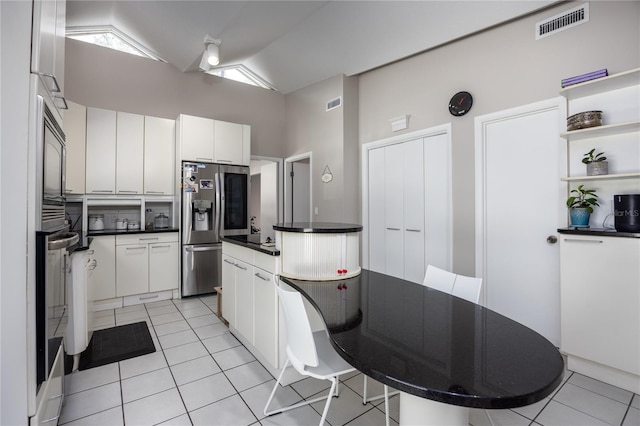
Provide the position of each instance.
(213, 54)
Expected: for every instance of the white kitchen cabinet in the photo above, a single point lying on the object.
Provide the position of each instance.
(159, 156)
(146, 263)
(101, 151)
(129, 153)
(195, 138)
(232, 143)
(103, 277)
(228, 288)
(132, 269)
(164, 266)
(75, 129)
(250, 301)
(47, 46)
(600, 299)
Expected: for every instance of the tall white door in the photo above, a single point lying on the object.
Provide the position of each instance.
(520, 159)
(300, 192)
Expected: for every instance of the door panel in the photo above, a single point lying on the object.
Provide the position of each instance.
(521, 202)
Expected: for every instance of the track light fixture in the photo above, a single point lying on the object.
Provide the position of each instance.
(211, 55)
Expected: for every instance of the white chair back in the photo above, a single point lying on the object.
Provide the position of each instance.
(301, 346)
(467, 288)
(439, 279)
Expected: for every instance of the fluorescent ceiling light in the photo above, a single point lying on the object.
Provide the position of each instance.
(111, 37)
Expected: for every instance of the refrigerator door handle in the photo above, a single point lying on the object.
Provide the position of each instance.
(187, 218)
(208, 248)
(219, 201)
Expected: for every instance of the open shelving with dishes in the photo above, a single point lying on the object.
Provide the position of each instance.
(618, 97)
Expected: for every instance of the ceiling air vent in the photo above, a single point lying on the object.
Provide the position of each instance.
(563, 21)
(334, 103)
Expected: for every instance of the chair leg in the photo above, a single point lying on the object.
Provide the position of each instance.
(386, 405)
(334, 384)
(273, 392)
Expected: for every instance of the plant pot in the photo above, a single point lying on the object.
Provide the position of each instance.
(597, 168)
(579, 218)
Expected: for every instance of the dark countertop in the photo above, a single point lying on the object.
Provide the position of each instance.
(129, 232)
(317, 227)
(601, 232)
(252, 243)
(432, 344)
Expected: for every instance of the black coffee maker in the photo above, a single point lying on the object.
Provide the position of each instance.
(626, 211)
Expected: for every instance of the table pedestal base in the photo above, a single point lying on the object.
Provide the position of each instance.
(420, 411)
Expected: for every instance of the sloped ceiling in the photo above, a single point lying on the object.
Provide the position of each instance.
(293, 44)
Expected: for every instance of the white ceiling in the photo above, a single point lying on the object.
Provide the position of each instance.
(292, 44)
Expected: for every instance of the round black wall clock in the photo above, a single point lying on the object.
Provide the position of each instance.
(460, 103)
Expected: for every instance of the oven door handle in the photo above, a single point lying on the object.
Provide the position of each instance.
(66, 239)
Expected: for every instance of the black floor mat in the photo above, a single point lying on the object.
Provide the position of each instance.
(117, 344)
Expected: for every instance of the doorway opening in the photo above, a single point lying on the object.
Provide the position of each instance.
(266, 197)
(297, 188)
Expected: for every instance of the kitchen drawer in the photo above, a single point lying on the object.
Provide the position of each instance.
(162, 237)
(265, 261)
(240, 253)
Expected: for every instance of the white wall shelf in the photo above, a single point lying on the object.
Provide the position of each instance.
(612, 82)
(607, 130)
(602, 177)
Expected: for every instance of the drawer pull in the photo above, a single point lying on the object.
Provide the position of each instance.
(148, 238)
(244, 268)
(165, 245)
(136, 248)
(230, 262)
(413, 230)
(148, 297)
(257, 274)
(108, 191)
(575, 240)
(393, 229)
(205, 159)
(155, 192)
(127, 192)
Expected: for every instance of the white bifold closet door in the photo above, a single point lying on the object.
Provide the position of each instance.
(409, 207)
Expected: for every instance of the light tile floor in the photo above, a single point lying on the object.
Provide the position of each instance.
(202, 375)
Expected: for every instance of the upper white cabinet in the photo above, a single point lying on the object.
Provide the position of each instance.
(75, 128)
(195, 138)
(47, 46)
(232, 143)
(207, 140)
(159, 157)
(101, 151)
(129, 153)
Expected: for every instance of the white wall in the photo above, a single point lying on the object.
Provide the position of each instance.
(15, 42)
(502, 68)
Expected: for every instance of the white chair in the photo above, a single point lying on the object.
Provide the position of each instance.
(467, 288)
(310, 353)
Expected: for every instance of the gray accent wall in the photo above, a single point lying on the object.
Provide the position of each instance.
(502, 68)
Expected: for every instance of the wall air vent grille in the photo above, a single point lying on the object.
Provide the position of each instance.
(563, 21)
(334, 103)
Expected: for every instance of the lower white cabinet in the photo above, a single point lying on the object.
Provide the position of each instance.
(103, 277)
(600, 301)
(250, 301)
(146, 263)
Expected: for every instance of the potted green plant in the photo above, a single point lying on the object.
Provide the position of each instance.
(596, 163)
(581, 206)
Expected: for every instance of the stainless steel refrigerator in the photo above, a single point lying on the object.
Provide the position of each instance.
(214, 204)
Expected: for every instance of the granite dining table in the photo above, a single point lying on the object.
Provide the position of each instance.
(445, 354)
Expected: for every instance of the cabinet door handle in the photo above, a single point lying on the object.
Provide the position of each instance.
(220, 160)
(148, 239)
(127, 192)
(413, 230)
(244, 268)
(229, 262)
(393, 229)
(136, 248)
(257, 274)
(155, 192)
(205, 159)
(107, 191)
(576, 240)
(165, 245)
